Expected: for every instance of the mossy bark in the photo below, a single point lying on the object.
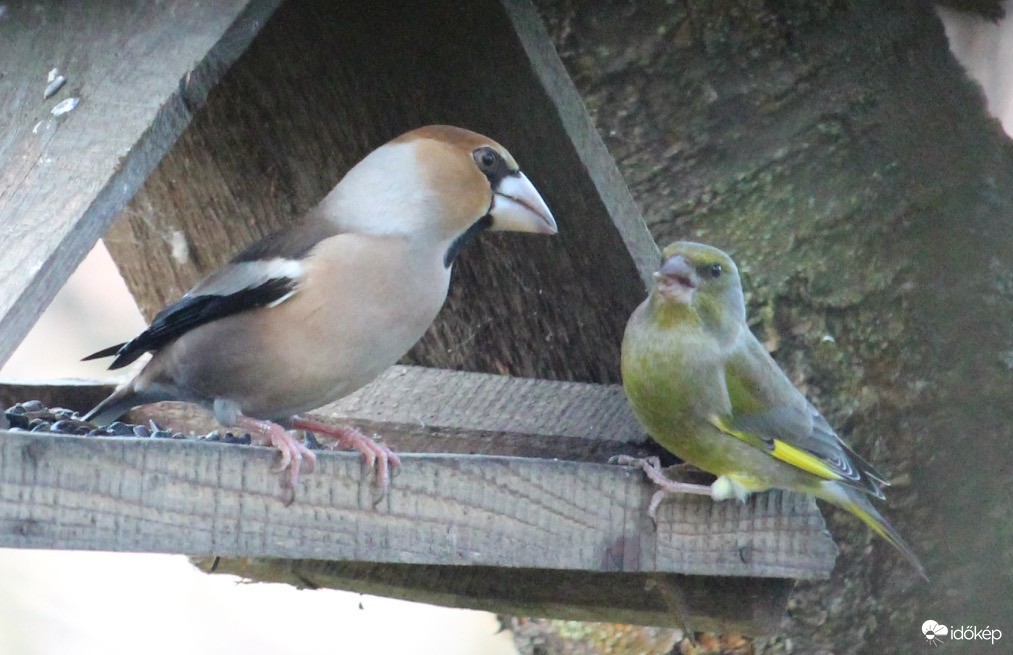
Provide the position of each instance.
(840, 154)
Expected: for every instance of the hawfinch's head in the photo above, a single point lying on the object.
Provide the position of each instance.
(443, 181)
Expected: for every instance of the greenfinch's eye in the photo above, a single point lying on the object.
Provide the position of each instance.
(712, 271)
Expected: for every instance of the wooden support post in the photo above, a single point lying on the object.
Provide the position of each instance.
(745, 605)
(138, 73)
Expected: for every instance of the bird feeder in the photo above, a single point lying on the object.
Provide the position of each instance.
(201, 127)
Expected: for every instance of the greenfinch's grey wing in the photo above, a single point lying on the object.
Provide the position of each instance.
(768, 412)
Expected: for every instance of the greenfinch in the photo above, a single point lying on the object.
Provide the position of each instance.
(707, 390)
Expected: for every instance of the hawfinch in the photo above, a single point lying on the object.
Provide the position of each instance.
(705, 389)
(317, 310)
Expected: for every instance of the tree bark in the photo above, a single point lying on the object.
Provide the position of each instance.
(840, 154)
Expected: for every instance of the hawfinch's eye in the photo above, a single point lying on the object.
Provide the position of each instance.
(488, 160)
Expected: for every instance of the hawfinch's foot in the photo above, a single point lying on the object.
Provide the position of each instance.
(293, 451)
(378, 457)
(651, 466)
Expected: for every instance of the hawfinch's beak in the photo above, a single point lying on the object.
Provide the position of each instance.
(518, 207)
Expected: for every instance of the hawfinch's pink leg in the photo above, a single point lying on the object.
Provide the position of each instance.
(377, 456)
(292, 450)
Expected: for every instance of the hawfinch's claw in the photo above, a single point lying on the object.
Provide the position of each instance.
(377, 457)
(293, 452)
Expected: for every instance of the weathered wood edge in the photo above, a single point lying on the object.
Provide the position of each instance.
(593, 425)
(127, 160)
(751, 606)
(200, 498)
(601, 168)
(422, 398)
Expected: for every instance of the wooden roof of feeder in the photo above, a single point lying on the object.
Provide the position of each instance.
(204, 126)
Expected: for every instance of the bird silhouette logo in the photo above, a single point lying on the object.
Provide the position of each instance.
(933, 631)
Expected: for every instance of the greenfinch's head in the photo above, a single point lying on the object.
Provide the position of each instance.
(703, 280)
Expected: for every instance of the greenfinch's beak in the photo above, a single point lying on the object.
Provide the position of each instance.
(676, 279)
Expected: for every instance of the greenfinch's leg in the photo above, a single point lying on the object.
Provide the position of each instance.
(651, 466)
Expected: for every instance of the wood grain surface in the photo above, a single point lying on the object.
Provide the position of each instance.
(200, 498)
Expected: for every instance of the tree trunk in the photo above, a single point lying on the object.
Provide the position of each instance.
(840, 154)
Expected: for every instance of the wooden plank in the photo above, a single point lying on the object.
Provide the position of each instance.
(751, 606)
(521, 305)
(481, 401)
(418, 409)
(205, 499)
(429, 397)
(139, 70)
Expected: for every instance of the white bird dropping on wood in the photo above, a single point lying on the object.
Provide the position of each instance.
(180, 248)
(64, 106)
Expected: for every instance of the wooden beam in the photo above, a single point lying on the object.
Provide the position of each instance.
(428, 397)
(580, 128)
(138, 71)
(482, 401)
(751, 606)
(614, 591)
(421, 410)
(206, 499)
(519, 304)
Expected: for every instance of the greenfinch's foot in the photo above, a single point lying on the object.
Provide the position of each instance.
(651, 466)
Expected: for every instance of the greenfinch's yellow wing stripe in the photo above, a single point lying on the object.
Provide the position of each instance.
(803, 460)
(782, 451)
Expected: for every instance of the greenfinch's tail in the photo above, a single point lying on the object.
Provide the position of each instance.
(855, 502)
